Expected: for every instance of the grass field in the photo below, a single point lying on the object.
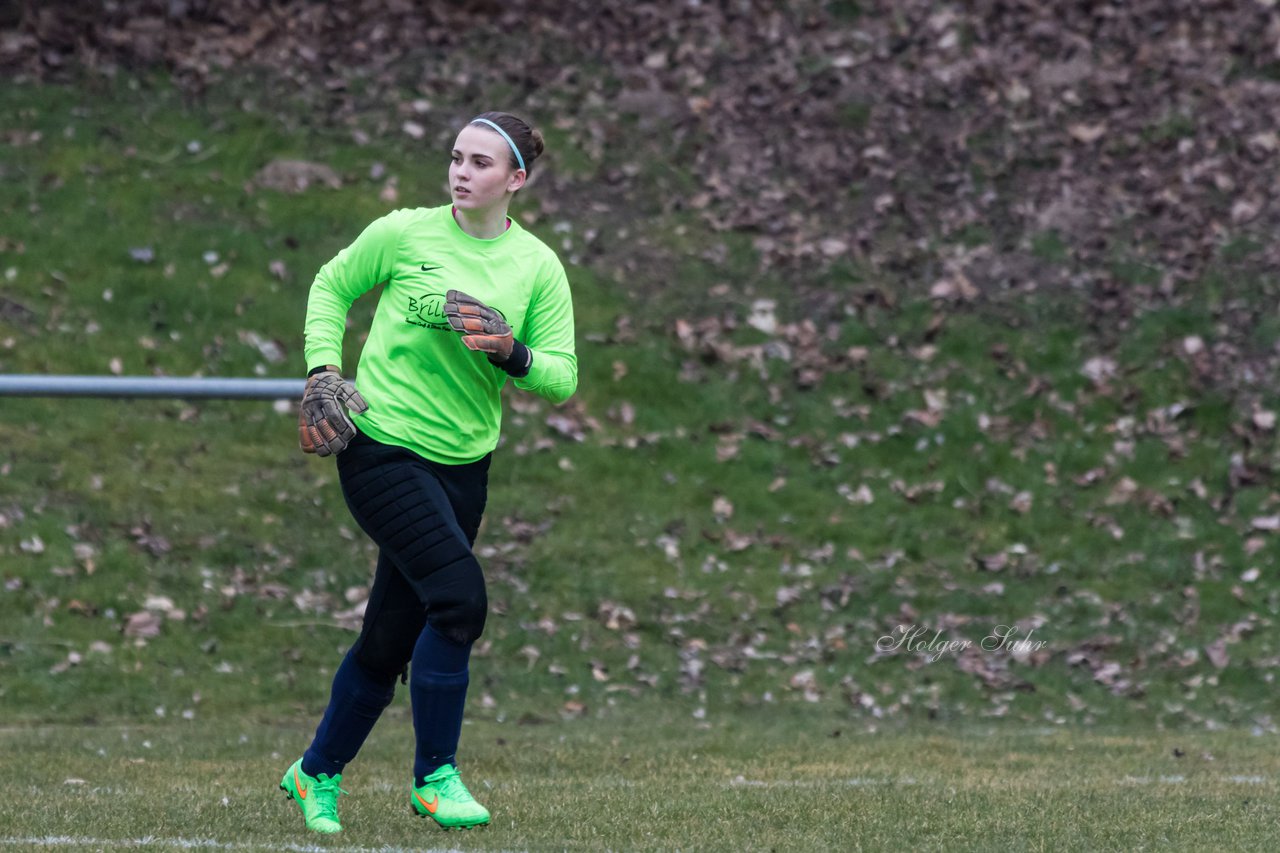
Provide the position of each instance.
(962, 473)
(654, 782)
(690, 566)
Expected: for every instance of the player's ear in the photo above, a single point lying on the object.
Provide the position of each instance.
(518, 179)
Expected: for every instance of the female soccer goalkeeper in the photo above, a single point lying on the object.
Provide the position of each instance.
(471, 299)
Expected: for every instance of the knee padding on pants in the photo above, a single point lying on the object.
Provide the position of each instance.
(457, 602)
(386, 644)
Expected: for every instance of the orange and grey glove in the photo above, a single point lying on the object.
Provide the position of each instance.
(324, 427)
(485, 330)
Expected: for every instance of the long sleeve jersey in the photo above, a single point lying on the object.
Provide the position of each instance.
(426, 391)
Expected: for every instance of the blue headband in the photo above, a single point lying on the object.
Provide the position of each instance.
(514, 149)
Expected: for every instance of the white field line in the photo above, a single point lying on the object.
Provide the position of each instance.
(68, 841)
(864, 781)
(1178, 779)
(855, 782)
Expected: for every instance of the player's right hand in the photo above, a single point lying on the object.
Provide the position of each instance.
(324, 427)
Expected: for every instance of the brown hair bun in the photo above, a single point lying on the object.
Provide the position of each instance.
(528, 140)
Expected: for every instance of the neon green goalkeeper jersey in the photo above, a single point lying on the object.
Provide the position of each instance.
(426, 391)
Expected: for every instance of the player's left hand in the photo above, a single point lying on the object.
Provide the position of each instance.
(482, 328)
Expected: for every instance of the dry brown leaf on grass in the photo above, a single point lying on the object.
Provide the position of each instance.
(143, 624)
(296, 176)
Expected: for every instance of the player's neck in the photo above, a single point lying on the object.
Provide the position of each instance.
(482, 224)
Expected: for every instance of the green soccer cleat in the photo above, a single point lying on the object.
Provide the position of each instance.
(447, 801)
(317, 796)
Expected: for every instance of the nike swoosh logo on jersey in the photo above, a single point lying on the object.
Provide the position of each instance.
(426, 268)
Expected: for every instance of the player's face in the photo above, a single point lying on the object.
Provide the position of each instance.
(480, 174)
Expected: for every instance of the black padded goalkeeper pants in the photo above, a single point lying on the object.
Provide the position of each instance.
(424, 517)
